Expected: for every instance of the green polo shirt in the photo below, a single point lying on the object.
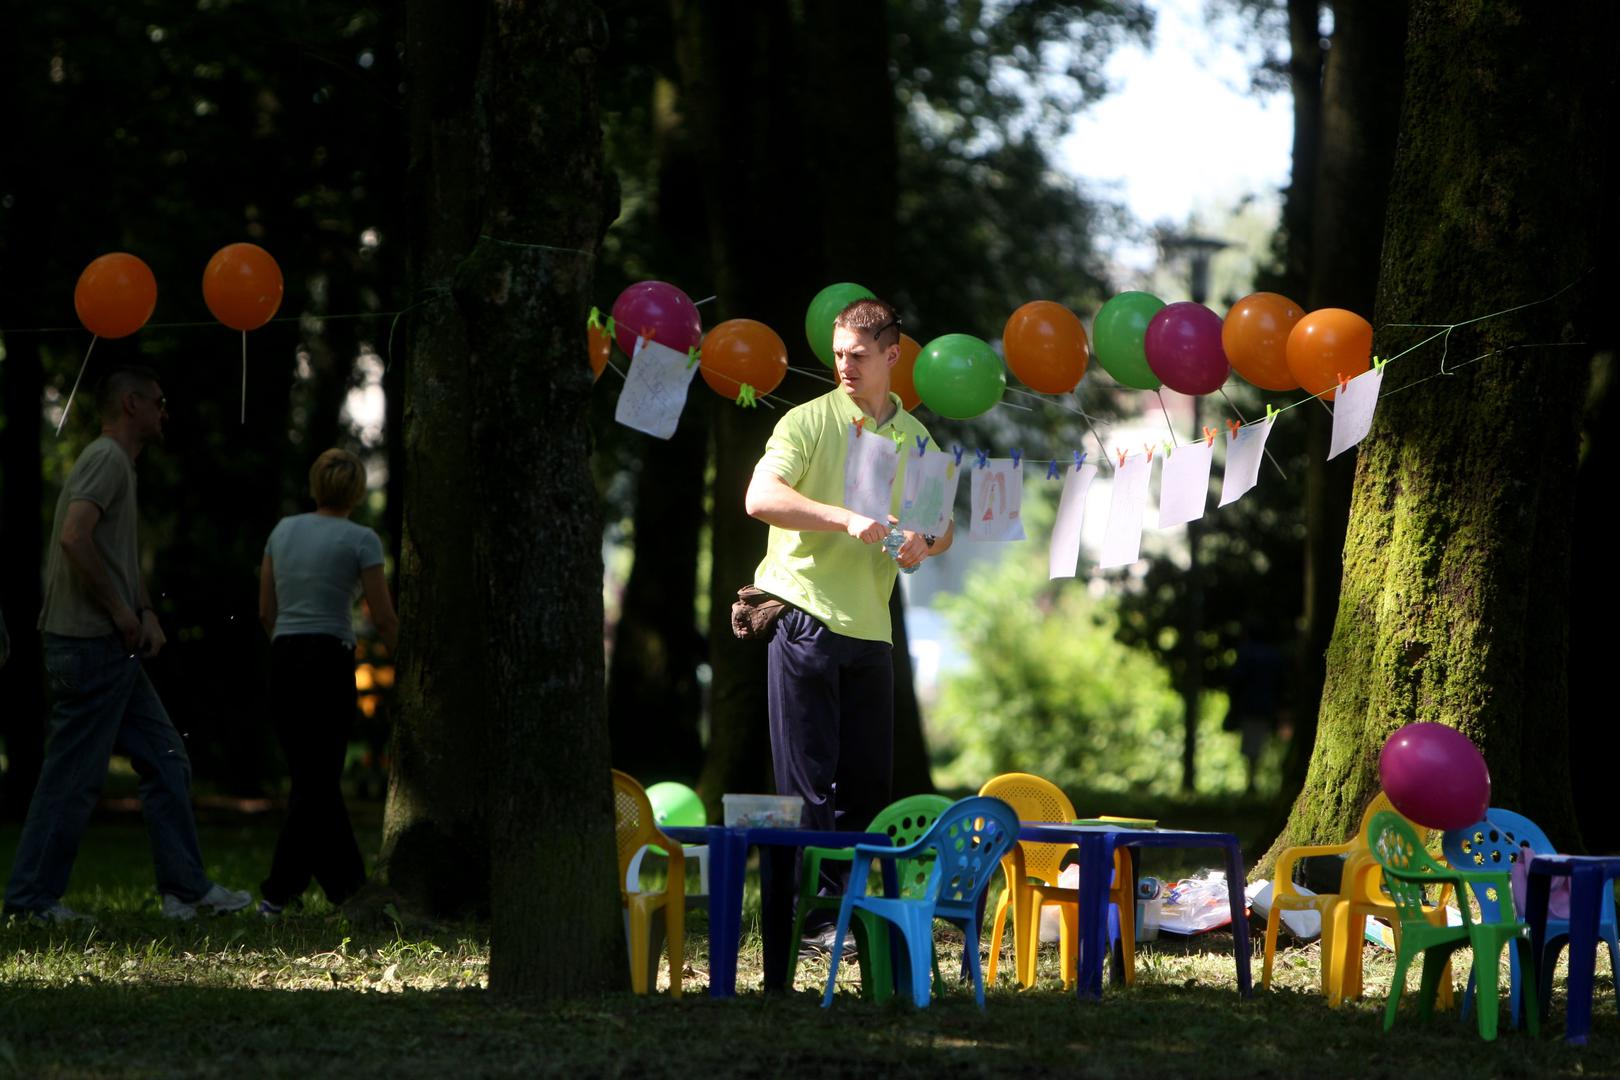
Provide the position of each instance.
(836, 578)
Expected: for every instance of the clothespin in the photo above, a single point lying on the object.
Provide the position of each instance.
(984, 458)
(1342, 381)
(922, 445)
(691, 356)
(1017, 455)
(643, 339)
(860, 426)
(1271, 412)
(1052, 469)
(594, 319)
(1122, 455)
(1378, 364)
(745, 397)
(1232, 428)
(1079, 458)
(957, 450)
(1168, 448)
(1209, 435)
(612, 327)
(1148, 448)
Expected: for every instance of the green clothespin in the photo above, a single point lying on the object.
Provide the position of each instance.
(594, 319)
(1271, 412)
(1378, 363)
(692, 355)
(745, 397)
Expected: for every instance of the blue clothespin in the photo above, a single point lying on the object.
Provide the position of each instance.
(957, 450)
(1017, 455)
(984, 458)
(1079, 458)
(1052, 469)
(922, 445)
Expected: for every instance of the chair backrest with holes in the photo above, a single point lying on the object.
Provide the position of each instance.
(1397, 848)
(906, 821)
(969, 839)
(1034, 798)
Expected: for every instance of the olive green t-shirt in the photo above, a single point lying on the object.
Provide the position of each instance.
(104, 475)
(836, 578)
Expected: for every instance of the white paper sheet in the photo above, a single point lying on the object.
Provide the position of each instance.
(869, 471)
(1122, 543)
(997, 501)
(655, 390)
(1353, 410)
(1064, 559)
(929, 492)
(1184, 483)
(1243, 456)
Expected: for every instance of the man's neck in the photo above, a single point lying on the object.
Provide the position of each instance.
(880, 408)
(125, 438)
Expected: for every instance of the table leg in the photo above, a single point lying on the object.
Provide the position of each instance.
(1535, 913)
(1241, 949)
(1096, 859)
(776, 901)
(729, 853)
(1585, 881)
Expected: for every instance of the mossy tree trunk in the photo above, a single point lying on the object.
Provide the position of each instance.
(1454, 605)
(499, 787)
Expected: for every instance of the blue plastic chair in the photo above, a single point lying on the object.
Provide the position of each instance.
(1497, 843)
(969, 841)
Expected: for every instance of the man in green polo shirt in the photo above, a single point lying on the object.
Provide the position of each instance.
(831, 676)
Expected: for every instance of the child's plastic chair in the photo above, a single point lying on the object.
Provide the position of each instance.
(635, 830)
(1497, 843)
(968, 842)
(677, 805)
(1037, 799)
(903, 822)
(1408, 868)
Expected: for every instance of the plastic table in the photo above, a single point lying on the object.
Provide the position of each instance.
(1588, 876)
(1097, 844)
(728, 865)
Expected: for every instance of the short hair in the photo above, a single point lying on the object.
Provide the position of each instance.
(871, 316)
(337, 480)
(118, 382)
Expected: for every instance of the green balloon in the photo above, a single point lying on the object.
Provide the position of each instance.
(1117, 338)
(676, 804)
(818, 320)
(959, 376)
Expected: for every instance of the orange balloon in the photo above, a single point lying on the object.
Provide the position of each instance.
(242, 286)
(1255, 337)
(742, 351)
(901, 376)
(1046, 347)
(599, 347)
(115, 295)
(1326, 345)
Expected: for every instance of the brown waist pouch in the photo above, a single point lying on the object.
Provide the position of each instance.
(754, 614)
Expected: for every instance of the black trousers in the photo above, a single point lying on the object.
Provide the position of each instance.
(312, 701)
(831, 701)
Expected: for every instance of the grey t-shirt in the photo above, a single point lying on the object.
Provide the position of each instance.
(104, 475)
(317, 561)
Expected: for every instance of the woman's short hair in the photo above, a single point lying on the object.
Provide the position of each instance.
(337, 480)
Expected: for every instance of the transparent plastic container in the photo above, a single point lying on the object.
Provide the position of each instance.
(763, 811)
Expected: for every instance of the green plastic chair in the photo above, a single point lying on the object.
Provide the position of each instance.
(904, 822)
(1408, 868)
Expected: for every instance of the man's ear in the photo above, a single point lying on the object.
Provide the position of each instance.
(893, 354)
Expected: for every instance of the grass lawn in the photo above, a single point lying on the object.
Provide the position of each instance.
(311, 996)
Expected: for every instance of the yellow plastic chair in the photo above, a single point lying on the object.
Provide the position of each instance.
(1038, 799)
(636, 828)
(1344, 913)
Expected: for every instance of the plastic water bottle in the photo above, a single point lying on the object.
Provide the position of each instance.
(892, 544)
(1149, 888)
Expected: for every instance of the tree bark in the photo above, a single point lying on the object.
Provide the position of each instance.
(1455, 598)
(501, 755)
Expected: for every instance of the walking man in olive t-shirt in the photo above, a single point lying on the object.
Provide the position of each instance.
(98, 626)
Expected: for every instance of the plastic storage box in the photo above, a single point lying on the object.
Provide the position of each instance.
(763, 811)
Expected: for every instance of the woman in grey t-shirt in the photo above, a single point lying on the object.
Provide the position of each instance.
(315, 566)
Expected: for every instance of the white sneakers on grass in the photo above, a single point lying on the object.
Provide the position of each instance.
(218, 900)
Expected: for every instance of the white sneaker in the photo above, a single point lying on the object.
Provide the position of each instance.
(218, 900)
(59, 913)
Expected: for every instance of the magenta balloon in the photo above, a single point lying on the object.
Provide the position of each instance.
(1436, 776)
(1183, 347)
(659, 310)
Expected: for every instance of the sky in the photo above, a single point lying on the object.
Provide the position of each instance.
(1181, 131)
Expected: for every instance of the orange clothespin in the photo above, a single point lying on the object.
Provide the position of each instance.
(1209, 435)
(1149, 448)
(1343, 382)
(860, 426)
(1232, 427)
(1122, 454)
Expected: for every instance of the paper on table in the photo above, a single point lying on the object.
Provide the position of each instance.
(1353, 410)
(655, 390)
(1122, 543)
(997, 501)
(1184, 484)
(929, 492)
(1064, 558)
(869, 470)
(1243, 454)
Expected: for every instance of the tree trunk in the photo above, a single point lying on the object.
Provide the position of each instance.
(1454, 603)
(501, 755)
(1305, 84)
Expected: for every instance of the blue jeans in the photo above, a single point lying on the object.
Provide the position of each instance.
(102, 702)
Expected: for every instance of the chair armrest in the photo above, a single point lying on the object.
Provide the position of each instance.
(1282, 875)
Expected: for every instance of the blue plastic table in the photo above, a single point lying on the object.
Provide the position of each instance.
(1588, 876)
(728, 864)
(1097, 844)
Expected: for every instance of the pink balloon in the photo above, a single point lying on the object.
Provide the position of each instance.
(1183, 347)
(1436, 776)
(658, 310)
